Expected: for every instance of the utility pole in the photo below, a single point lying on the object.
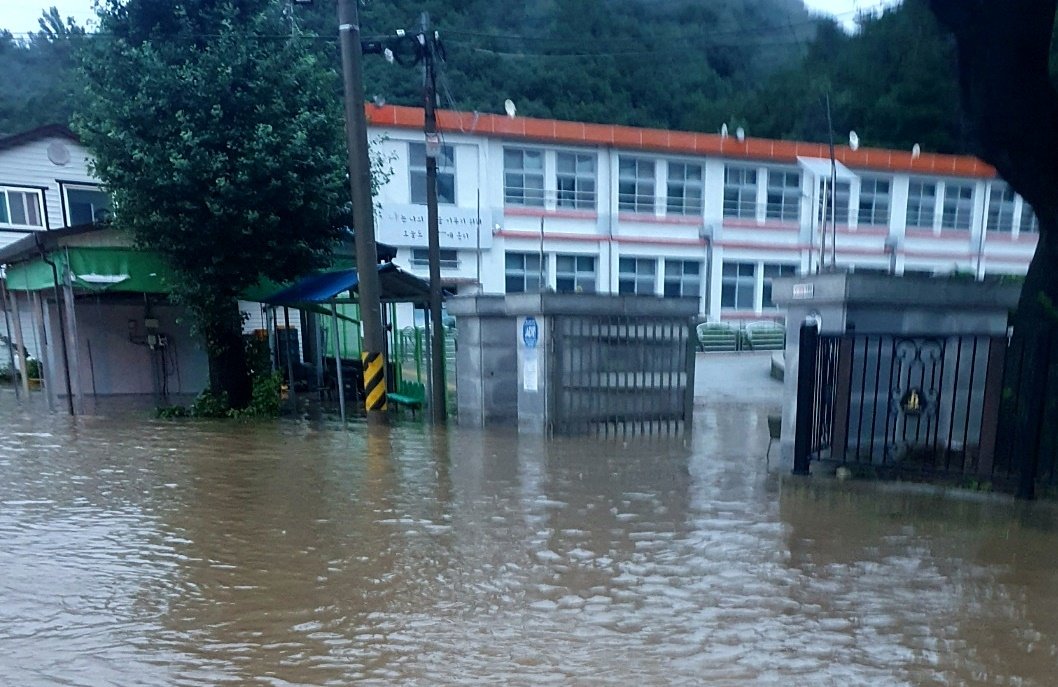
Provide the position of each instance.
(438, 389)
(363, 215)
(833, 191)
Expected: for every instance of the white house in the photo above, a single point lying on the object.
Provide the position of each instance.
(531, 203)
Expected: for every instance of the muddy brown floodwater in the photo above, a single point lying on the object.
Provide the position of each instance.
(141, 552)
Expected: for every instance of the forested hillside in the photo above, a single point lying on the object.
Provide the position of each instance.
(765, 65)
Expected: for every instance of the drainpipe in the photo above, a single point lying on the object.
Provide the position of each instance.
(62, 328)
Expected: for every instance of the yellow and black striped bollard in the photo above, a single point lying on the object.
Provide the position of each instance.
(374, 381)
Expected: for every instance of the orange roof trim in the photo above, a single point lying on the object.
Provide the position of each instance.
(682, 142)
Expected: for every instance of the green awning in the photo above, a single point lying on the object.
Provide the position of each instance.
(109, 270)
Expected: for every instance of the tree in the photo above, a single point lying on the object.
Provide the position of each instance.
(218, 133)
(1004, 49)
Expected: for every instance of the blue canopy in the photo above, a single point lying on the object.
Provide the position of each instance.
(396, 286)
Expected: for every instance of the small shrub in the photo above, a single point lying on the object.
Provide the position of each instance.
(265, 398)
(211, 404)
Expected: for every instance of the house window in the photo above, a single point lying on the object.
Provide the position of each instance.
(523, 272)
(1030, 224)
(683, 278)
(448, 258)
(838, 204)
(737, 285)
(874, 203)
(635, 185)
(523, 177)
(685, 189)
(771, 272)
(740, 192)
(784, 196)
(921, 202)
(575, 179)
(1001, 208)
(958, 206)
(21, 207)
(85, 205)
(446, 174)
(636, 275)
(575, 273)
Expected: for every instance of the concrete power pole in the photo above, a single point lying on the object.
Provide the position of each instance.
(438, 389)
(363, 214)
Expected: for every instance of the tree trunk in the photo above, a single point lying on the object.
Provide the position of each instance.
(228, 367)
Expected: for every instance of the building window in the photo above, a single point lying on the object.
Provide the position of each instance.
(85, 205)
(523, 272)
(683, 278)
(523, 177)
(839, 200)
(446, 174)
(1001, 208)
(771, 272)
(958, 206)
(575, 179)
(448, 258)
(740, 192)
(784, 196)
(921, 202)
(636, 275)
(874, 203)
(575, 273)
(737, 285)
(635, 185)
(685, 189)
(1030, 224)
(21, 207)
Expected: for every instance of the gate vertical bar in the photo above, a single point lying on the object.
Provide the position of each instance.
(806, 377)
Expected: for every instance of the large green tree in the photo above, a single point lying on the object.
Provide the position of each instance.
(1005, 49)
(218, 133)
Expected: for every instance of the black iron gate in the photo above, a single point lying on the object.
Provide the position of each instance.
(901, 403)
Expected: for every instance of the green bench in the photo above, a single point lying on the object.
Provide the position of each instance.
(409, 395)
(765, 336)
(717, 336)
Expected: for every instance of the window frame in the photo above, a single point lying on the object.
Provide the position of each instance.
(446, 173)
(842, 197)
(997, 218)
(6, 215)
(448, 258)
(637, 278)
(769, 272)
(878, 203)
(576, 198)
(687, 284)
(640, 200)
(537, 274)
(739, 282)
(677, 199)
(735, 205)
(920, 213)
(524, 195)
(957, 213)
(579, 280)
(788, 206)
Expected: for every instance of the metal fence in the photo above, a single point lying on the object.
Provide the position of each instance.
(902, 404)
(621, 376)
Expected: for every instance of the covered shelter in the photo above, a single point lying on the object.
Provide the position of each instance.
(336, 293)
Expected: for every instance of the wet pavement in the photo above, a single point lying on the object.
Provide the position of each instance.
(144, 552)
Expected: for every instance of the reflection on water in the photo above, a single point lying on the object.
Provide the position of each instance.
(140, 552)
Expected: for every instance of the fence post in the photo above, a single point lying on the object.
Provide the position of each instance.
(806, 377)
(1029, 423)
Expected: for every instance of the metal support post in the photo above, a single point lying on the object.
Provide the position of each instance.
(438, 403)
(806, 374)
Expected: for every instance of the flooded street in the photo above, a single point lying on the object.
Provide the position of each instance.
(142, 552)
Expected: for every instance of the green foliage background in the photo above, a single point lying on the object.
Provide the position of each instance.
(677, 64)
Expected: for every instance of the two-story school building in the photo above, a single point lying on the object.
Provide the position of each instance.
(529, 204)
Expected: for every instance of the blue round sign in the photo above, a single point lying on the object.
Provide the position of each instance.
(530, 332)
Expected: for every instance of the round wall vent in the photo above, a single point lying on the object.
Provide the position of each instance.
(58, 153)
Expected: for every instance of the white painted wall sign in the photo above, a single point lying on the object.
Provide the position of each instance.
(405, 225)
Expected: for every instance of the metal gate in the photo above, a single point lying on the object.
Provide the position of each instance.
(900, 403)
(620, 376)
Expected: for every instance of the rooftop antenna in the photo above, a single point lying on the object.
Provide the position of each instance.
(854, 140)
(509, 108)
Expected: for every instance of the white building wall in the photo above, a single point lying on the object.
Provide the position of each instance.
(28, 166)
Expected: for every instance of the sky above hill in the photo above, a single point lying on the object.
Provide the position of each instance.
(20, 16)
